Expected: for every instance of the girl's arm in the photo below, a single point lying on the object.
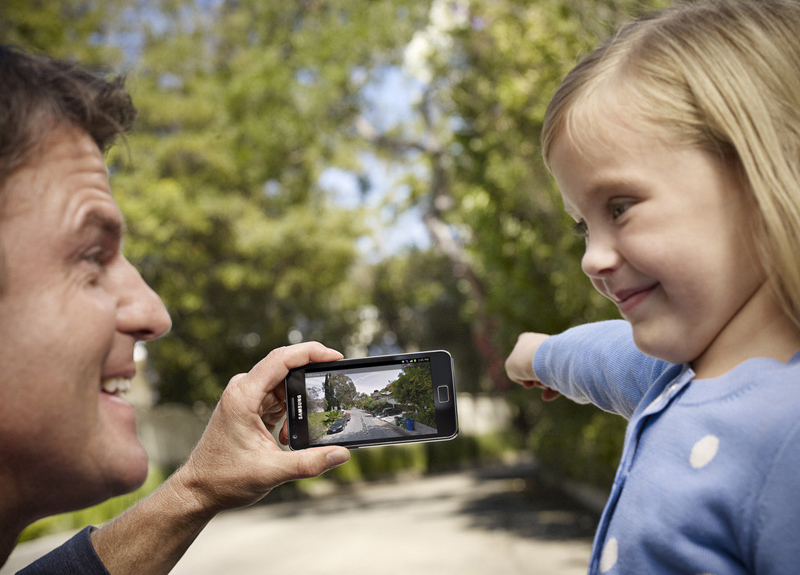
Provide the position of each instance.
(597, 363)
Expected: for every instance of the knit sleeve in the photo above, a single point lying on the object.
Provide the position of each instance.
(75, 557)
(598, 363)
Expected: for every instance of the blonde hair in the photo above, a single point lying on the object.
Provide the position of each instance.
(722, 76)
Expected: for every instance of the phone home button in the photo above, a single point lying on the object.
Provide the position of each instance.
(444, 394)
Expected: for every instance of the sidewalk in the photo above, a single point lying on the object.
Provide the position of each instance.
(503, 520)
(419, 428)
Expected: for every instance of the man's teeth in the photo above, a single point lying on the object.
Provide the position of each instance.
(116, 385)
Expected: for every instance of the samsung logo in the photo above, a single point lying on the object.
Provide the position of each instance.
(299, 407)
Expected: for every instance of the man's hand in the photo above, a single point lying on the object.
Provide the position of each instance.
(519, 364)
(237, 461)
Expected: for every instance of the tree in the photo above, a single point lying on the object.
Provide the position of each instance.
(73, 29)
(340, 392)
(330, 395)
(241, 109)
(413, 388)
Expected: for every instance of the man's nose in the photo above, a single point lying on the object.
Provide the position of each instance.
(140, 311)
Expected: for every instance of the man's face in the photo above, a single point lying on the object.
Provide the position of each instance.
(71, 310)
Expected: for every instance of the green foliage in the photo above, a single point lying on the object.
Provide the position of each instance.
(422, 305)
(319, 422)
(240, 111)
(72, 29)
(592, 439)
(413, 389)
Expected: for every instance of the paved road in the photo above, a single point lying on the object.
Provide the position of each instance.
(363, 425)
(501, 521)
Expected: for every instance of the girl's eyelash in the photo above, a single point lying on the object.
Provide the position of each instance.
(618, 208)
(581, 229)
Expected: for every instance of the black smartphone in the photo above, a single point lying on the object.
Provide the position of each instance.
(388, 399)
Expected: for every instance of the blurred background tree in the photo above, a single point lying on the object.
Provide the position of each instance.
(247, 105)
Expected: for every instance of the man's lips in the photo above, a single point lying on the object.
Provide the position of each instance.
(628, 299)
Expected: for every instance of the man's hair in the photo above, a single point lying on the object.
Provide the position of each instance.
(39, 94)
(719, 75)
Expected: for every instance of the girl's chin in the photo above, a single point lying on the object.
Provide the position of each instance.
(662, 343)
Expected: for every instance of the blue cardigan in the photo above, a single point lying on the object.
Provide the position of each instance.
(709, 480)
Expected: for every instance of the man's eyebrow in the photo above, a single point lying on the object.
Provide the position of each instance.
(112, 225)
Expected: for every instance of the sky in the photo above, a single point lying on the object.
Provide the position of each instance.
(389, 102)
(366, 380)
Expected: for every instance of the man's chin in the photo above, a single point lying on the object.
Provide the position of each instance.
(79, 491)
(125, 463)
(130, 475)
(124, 469)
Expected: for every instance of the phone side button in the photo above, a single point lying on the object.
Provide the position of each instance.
(444, 394)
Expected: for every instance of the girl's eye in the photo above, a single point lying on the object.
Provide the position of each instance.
(617, 208)
(580, 228)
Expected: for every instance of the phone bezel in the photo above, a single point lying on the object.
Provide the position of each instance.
(442, 374)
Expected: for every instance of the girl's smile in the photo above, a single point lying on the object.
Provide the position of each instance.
(628, 299)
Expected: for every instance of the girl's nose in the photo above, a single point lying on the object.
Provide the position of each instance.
(601, 256)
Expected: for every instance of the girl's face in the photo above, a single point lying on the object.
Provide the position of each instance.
(668, 239)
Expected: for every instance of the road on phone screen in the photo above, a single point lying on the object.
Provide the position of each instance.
(505, 520)
(364, 425)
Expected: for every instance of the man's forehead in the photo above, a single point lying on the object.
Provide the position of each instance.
(67, 162)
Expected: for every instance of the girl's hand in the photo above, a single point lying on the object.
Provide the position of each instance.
(519, 364)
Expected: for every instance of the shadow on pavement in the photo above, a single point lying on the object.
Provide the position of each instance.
(515, 499)
(530, 506)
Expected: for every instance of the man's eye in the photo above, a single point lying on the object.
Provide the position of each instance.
(97, 256)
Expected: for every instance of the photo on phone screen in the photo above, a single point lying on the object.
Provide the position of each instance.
(371, 401)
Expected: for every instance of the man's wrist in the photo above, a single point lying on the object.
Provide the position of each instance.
(187, 490)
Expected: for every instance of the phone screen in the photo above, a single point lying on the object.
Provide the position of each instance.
(372, 401)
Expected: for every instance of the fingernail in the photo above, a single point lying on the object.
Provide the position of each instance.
(336, 458)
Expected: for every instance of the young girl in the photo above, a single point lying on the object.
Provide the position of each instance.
(676, 146)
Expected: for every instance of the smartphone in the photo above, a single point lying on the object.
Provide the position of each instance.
(381, 400)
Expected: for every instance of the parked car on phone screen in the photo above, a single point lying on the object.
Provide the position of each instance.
(336, 427)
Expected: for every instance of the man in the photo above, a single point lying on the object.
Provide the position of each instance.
(71, 309)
